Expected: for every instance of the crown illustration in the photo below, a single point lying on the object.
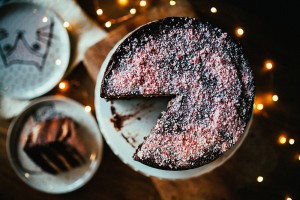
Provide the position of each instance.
(21, 52)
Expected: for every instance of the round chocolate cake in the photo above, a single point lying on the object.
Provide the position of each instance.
(207, 75)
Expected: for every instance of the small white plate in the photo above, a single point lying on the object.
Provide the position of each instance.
(34, 50)
(141, 115)
(87, 130)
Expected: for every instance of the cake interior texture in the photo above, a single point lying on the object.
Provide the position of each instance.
(54, 145)
(207, 75)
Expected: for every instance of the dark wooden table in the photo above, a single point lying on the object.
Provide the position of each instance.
(269, 34)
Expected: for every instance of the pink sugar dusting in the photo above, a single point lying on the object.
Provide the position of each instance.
(211, 83)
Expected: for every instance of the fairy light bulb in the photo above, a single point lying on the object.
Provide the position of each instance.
(143, 3)
(58, 62)
(268, 65)
(239, 32)
(45, 19)
(260, 106)
(107, 24)
(172, 3)
(213, 10)
(291, 141)
(63, 86)
(260, 179)
(87, 108)
(132, 11)
(275, 97)
(282, 140)
(99, 11)
(66, 24)
(123, 2)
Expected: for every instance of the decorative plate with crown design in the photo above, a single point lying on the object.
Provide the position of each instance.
(34, 50)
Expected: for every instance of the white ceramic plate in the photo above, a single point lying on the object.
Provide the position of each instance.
(87, 130)
(141, 116)
(34, 50)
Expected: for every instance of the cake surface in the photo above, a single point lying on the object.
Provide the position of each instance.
(207, 75)
(54, 146)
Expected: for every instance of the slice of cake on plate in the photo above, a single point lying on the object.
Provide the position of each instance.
(54, 145)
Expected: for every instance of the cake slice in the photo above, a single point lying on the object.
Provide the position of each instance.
(54, 145)
(207, 75)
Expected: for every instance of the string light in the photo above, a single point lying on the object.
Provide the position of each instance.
(99, 11)
(239, 32)
(282, 140)
(132, 11)
(172, 3)
(107, 24)
(66, 24)
(298, 157)
(123, 2)
(275, 97)
(58, 62)
(213, 10)
(260, 106)
(93, 156)
(64, 85)
(143, 3)
(289, 198)
(27, 175)
(291, 141)
(45, 19)
(87, 108)
(260, 179)
(268, 65)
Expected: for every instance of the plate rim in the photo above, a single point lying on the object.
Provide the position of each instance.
(53, 99)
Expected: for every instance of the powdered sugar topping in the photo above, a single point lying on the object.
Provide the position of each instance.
(209, 78)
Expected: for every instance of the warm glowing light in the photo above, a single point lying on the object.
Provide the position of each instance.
(291, 141)
(299, 157)
(260, 179)
(260, 106)
(172, 3)
(64, 85)
(123, 2)
(239, 32)
(289, 198)
(132, 11)
(58, 62)
(282, 139)
(45, 19)
(108, 24)
(27, 175)
(213, 10)
(66, 24)
(99, 11)
(87, 108)
(143, 3)
(275, 97)
(269, 65)
(93, 156)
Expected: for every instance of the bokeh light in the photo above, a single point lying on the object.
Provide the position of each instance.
(213, 10)
(143, 3)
